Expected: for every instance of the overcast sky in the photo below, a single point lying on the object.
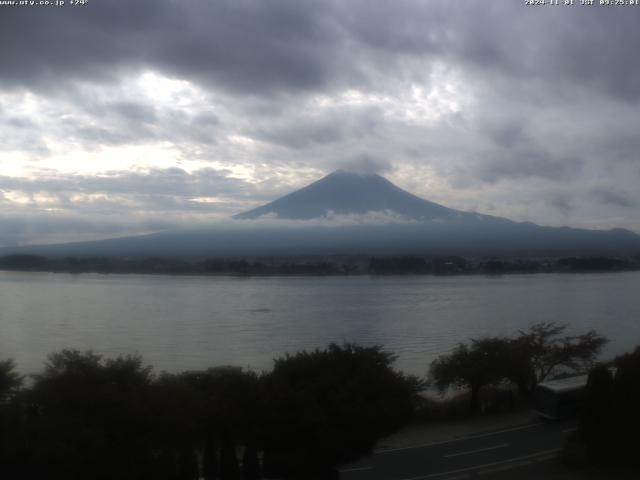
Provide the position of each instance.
(123, 117)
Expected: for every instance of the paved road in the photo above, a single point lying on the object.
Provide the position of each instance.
(486, 452)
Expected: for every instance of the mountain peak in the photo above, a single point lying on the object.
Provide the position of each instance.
(356, 178)
(349, 193)
(343, 173)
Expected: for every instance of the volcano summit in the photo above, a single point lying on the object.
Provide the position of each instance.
(346, 193)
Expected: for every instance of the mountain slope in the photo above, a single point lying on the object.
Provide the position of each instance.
(351, 193)
(431, 230)
(480, 238)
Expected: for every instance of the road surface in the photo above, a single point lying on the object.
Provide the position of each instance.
(476, 454)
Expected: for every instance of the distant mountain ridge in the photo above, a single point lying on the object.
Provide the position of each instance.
(431, 230)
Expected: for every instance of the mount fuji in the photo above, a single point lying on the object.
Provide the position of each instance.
(348, 193)
(332, 216)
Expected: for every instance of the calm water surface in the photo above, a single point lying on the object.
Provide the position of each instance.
(180, 323)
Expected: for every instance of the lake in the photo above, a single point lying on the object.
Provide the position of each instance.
(180, 323)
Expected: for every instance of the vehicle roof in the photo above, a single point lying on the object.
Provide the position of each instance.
(568, 383)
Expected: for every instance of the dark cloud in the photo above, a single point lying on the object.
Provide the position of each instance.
(530, 163)
(561, 201)
(284, 46)
(92, 122)
(299, 135)
(245, 46)
(98, 135)
(87, 207)
(549, 52)
(507, 133)
(300, 130)
(365, 163)
(524, 111)
(617, 143)
(173, 182)
(19, 132)
(134, 112)
(616, 199)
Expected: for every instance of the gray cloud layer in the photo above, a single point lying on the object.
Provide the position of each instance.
(257, 47)
(526, 112)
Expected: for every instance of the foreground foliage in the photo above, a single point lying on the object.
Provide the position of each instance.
(610, 422)
(86, 416)
(330, 406)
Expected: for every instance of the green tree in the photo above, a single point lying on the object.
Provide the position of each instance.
(626, 399)
(549, 351)
(210, 457)
(177, 409)
(525, 360)
(610, 421)
(484, 362)
(327, 407)
(87, 416)
(596, 419)
(231, 409)
(11, 432)
(10, 381)
(250, 463)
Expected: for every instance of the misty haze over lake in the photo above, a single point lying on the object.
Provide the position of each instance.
(180, 323)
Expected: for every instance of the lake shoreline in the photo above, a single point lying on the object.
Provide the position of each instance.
(384, 267)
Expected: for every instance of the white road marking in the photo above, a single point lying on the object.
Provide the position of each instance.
(485, 465)
(354, 469)
(469, 452)
(568, 430)
(503, 468)
(545, 458)
(470, 437)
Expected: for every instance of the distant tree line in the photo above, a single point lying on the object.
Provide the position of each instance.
(85, 416)
(331, 265)
(171, 266)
